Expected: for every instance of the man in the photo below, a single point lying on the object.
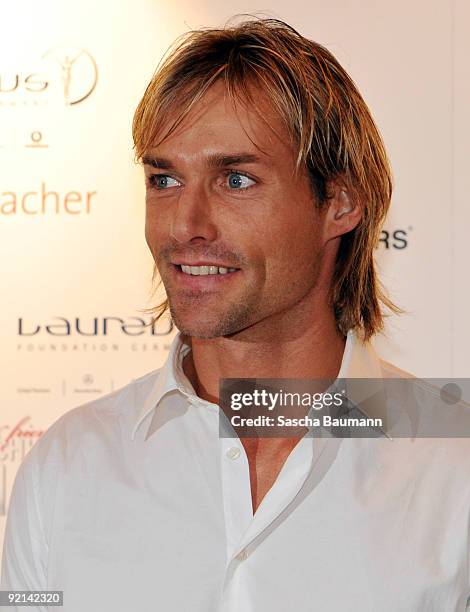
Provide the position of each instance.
(267, 184)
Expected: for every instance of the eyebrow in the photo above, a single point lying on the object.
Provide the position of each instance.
(215, 160)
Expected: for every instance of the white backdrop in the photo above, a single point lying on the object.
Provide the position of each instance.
(72, 243)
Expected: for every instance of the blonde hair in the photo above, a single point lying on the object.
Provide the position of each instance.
(330, 125)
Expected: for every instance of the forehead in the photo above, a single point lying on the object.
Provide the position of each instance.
(219, 124)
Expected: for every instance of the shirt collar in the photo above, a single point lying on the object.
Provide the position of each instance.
(171, 377)
(359, 361)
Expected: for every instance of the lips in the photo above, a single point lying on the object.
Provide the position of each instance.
(218, 264)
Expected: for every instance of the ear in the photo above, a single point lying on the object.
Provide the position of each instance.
(344, 211)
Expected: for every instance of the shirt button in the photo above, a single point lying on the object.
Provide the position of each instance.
(233, 453)
(242, 555)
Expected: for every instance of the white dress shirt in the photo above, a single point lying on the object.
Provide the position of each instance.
(133, 502)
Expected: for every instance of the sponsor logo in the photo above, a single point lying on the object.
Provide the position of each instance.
(91, 327)
(10, 436)
(69, 74)
(15, 442)
(93, 334)
(394, 239)
(46, 202)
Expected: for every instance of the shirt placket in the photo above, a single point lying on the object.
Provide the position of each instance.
(236, 490)
(244, 530)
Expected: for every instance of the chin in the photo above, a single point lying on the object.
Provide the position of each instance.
(197, 327)
(204, 329)
(198, 331)
(195, 323)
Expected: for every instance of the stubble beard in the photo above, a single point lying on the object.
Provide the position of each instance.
(229, 320)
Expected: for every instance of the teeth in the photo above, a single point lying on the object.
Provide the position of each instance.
(205, 270)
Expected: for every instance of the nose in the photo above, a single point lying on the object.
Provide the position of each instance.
(192, 216)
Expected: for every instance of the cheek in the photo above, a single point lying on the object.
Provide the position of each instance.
(294, 240)
(293, 253)
(154, 230)
(149, 230)
(155, 217)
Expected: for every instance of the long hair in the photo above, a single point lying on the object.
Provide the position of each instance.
(329, 123)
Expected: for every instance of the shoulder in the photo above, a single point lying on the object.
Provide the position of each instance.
(80, 443)
(100, 422)
(425, 392)
(431, 413)
(389, 370)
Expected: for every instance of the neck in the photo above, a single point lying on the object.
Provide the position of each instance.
(275, 350)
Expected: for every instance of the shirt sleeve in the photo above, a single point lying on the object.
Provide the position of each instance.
(25, 550)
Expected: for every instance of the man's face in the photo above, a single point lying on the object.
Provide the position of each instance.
(221, 192)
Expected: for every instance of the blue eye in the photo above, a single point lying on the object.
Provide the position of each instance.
(162, 181)
(239, 181)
